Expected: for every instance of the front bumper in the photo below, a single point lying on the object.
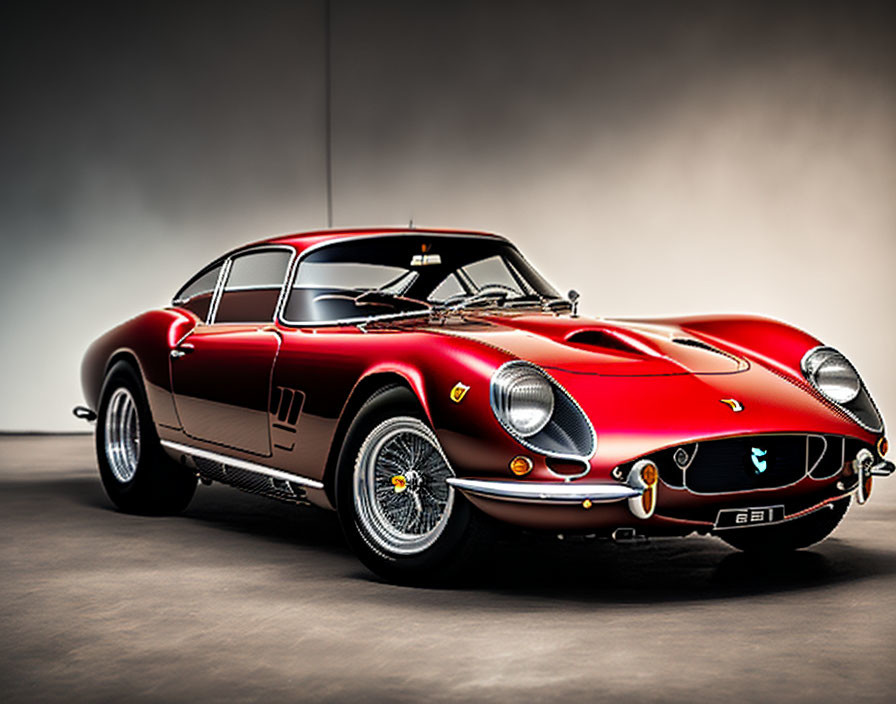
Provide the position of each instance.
(558, 505)
(555, 493)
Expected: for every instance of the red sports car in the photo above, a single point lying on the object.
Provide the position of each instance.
(430, 385)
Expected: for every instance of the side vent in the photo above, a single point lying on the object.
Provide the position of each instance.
(286, 406)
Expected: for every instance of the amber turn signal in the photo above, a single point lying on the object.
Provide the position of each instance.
(648, 499)
(649, 474)
(882, 446)
(520, 465)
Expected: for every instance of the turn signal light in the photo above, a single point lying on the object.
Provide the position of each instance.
(647, 499)
(882, 446)
(520, 465)
(643, 476)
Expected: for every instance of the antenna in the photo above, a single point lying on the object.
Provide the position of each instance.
(411, 223)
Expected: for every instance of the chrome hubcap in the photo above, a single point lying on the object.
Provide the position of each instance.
(401, 497)
(122, 435)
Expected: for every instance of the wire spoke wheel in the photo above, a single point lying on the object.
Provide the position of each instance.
(122, 435)
(401, 495)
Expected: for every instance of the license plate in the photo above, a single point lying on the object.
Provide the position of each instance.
(747, 517)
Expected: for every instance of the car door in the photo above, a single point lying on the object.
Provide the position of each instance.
(221, 371)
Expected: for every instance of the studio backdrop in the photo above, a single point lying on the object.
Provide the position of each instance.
(660, 158)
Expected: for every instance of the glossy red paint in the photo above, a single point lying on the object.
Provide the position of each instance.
(287, 394)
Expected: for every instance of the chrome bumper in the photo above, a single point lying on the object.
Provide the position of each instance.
(882, 469)
(545, 492)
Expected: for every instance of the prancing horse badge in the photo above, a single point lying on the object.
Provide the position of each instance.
(734, 403)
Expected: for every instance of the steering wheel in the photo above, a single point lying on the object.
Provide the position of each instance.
(487, 291)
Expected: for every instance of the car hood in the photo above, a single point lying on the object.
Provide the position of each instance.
(597, 345)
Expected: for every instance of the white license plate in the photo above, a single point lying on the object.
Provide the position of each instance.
(748, 517)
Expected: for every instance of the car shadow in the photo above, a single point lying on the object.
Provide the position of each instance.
(595, 571)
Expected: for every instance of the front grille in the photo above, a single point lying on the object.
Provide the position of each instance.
(752, 462)
(745, 464)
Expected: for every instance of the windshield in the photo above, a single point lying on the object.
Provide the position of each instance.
(374, 276)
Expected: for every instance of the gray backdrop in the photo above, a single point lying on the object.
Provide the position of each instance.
(660, 157)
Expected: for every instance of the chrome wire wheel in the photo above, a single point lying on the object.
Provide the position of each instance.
(402, 499)
(122, 435)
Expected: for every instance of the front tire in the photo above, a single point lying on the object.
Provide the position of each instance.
(789, 536)
(136, 473)
(398, 513)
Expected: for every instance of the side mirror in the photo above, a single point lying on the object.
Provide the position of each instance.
(573, 297)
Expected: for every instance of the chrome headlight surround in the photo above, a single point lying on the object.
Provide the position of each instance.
(836, 379)
(539, 413)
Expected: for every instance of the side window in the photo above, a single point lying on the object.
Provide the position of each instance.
(196, 296)
(253, 287)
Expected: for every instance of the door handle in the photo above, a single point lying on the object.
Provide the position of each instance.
(181, 350)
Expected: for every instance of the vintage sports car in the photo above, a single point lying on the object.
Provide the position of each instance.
(430, 385)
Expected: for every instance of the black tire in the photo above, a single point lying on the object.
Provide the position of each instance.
(792, 535)
(148, 482)
(464, 532)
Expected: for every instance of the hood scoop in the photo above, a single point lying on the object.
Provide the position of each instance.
(701, 345)
(608, 341)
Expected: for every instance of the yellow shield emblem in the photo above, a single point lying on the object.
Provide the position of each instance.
(458, 392)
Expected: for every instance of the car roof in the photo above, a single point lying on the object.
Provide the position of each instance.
(303, 240)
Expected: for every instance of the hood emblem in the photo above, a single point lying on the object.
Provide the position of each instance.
(736, 405)
(760, 464)
(458, 392)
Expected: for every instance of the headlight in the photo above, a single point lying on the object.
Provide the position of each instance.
(838, 381)
(832, 374)
(539, 413)
(522, 399)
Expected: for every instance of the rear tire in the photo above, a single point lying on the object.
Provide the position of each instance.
(136, 473)
(792, 535)
(400, 517)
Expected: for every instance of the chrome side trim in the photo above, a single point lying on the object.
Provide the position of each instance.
(544, 492)
(242, 464)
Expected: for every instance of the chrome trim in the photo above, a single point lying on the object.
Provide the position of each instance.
(544, 492)
(862, 387)
(884, 468)
(862, 467)
(332, 242)
(84, 413)
(755, 489)
(637, 483)
(242, 464)
(525, 441)
(225, 275)
(827, 446)
(122, 435)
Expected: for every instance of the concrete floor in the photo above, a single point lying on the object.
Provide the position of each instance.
(244, 599)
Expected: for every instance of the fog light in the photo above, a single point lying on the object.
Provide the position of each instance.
(882, 446)
(520, 465)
